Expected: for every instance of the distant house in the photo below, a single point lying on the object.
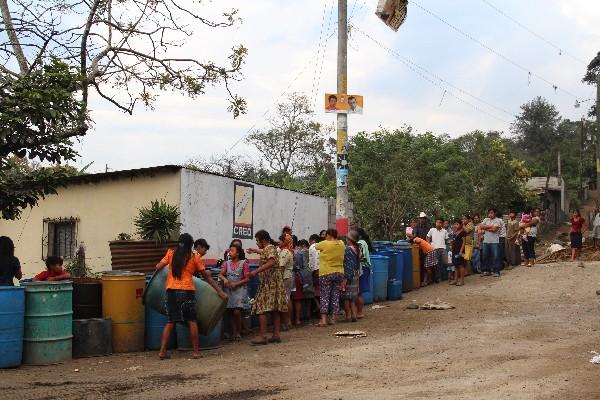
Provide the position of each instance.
(95, 208)
(553, 197)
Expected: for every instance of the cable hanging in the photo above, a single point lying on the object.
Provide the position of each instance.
(496, 52)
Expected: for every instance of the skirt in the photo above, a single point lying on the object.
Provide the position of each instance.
(181, 305)
(576, 240)
(351, 292)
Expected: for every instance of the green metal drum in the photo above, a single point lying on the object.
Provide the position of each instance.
(48, 337)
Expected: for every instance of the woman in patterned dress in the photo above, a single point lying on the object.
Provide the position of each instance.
(271, 295)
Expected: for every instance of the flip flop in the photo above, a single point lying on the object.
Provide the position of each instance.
(257, 342)
(273, 339)
(165, 357)
(321, 325)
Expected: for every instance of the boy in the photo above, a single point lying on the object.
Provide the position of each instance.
(54, 271)
(433, 262)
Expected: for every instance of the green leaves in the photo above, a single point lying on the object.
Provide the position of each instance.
(159, 222)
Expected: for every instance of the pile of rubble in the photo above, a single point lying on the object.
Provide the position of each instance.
(588, 253)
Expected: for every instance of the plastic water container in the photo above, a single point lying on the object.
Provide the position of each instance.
(207, 342)
(394, 289)
(368, 296)
(405, 248)
(12, 317)
(380, 264)
(154, 324)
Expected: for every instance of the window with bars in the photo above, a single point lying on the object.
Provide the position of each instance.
(60, 238)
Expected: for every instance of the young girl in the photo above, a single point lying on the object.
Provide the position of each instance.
(235, 275)
(351, 275)
(181, 303)
(10, 267)
(458, 251)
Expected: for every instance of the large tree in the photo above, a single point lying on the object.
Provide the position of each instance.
(54, 53)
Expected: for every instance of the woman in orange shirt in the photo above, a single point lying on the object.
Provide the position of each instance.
(181, 303)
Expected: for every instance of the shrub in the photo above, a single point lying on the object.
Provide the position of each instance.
(158, 222)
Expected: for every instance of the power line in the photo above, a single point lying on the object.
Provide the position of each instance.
(427, 75)
(532, 32)
(494, 51)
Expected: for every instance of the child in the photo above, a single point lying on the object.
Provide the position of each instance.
(351, 276)
(181, 302)
(524, 231)
(235, 276)
(303, 280)
(54, 271)
(450, 269)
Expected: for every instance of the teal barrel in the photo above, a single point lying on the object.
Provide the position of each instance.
(394, 289)
(48, 337)
(207, 342)
(380, 265)
(12, 314)
(155, 322)
(209, 306)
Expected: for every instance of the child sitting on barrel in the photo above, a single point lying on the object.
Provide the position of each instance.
(54, 271)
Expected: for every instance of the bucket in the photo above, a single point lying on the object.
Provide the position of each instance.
(394, 289)
(12, 319)
(87, 298)
(153, 328)
(92, 337)
(207, 342)
(380, 276)
(209, 306)
(48, 337)
(122, 293)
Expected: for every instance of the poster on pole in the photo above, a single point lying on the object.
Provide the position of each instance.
(392, 12)
(243, 210)
(343, 103)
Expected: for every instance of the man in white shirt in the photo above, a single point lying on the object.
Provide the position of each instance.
(437, 236)
(313, 264)
(490, 248)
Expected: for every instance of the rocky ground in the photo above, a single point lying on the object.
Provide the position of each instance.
(526, 335)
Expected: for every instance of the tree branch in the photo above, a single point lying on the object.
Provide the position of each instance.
(12, 36)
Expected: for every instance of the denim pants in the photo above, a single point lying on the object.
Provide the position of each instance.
(490, 257)
(476, 261)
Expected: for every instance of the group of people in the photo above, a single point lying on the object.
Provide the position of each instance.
(471, 244)
(322, 271)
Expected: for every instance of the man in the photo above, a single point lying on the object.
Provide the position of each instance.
(596, 225)
(421, 231)
(490, 248)
(434, 261)
(332, 106)
(353, 107)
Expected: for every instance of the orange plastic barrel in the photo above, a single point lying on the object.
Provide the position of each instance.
(416, 266)
(122, 294)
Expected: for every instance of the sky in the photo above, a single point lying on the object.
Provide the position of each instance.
(427, 75)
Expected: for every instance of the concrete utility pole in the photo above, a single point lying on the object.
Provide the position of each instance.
(341, 206)
(598, 132)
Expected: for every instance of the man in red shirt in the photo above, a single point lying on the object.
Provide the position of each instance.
(54, 271)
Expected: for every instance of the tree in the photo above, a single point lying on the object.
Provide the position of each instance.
(592, 77)
(53, 52)
(294, 145)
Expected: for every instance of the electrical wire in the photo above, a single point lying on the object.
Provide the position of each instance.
(435, 80)
(532, 32)
(494, 51)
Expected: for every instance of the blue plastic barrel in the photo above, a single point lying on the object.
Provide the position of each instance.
(380, 264)
(155, 322)
(394, 289)
(253, 284)
(12, 318)
(207, 342)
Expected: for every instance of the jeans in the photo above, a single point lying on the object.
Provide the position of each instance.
(490, 257)
(476, 261)
(528, 247)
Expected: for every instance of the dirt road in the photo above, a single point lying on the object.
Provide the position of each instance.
(526, 335)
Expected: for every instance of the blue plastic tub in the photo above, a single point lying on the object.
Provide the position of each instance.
(154, 324)
(12, 322)
(207, 342)
(380, 264)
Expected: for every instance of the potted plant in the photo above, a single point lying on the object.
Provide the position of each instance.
(87, 289)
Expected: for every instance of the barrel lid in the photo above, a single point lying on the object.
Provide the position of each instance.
(376, 256)
(2, 287)
(122, 273)
(40, 283)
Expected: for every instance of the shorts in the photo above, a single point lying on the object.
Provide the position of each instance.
(181, 305)
(576, 240)
(458, 261)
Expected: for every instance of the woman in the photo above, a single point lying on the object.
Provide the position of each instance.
(528, 243)
(10, 267)
(468, 229)
(181, 302)
(351, 273)
(286, 262)
(513, 250)
(364, 281)
(331, 274)
(577, 224)
(271, 295)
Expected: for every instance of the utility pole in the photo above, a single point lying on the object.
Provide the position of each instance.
(580, 190)
(598, 132)
(341, 205)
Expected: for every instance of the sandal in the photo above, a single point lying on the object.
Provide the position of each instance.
(258, 342)
(321, 325)
(451, 283)
(164, 356)
(274, 339)
(459, 284)
(196, 356)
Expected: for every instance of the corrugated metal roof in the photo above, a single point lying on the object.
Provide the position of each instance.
(538, 183)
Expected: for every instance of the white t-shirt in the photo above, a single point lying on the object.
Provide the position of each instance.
(438, 238)
(313, 258)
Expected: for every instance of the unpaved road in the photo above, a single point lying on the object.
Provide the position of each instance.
(526, 335)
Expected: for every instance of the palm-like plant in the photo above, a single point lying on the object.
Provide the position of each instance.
(158, 222)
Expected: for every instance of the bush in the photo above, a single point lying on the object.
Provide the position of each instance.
(159, 222)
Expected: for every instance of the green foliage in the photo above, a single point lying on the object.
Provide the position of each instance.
(39, 117)
(124, 236)
(158, 222)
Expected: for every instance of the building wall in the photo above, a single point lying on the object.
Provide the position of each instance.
(208, 202)
(104, 210)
